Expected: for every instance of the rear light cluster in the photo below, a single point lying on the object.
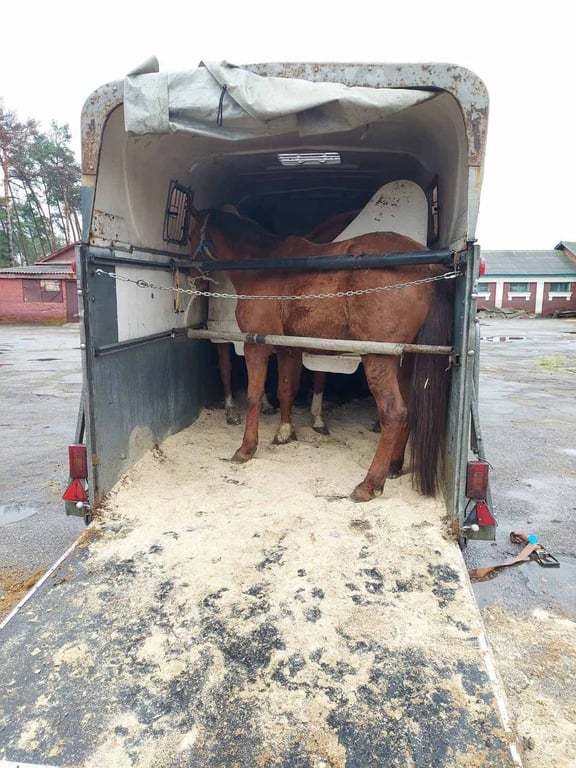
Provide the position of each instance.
(78, 460)
(477, 490)
(477, 480)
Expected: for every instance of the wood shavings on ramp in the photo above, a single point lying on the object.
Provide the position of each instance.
(252, 615)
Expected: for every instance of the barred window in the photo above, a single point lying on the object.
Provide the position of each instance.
(43, 291)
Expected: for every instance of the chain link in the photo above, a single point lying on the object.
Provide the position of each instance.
(217, 295)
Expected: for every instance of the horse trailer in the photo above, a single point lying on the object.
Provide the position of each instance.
(219, 614)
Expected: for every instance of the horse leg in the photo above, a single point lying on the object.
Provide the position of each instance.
(382, 377)
(289, 370)
(225, 367)
(318, 386)
(267, 408)
(405, 382)
(256, 357)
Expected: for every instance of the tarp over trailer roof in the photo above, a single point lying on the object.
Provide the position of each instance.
(250, 105)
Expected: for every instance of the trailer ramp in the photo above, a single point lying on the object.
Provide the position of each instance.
(252, 615)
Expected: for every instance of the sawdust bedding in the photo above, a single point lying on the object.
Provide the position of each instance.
(274, 622)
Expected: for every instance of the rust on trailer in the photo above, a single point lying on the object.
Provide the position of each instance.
(95, 113)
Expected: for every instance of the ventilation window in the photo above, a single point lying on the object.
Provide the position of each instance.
(293, 159)
(177, 214)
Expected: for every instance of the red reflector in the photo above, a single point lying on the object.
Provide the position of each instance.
(75, 492)
(78, 459)
(482, 266)
(483, 514)
(477, 480)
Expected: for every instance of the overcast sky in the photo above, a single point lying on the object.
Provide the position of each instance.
(54, 54)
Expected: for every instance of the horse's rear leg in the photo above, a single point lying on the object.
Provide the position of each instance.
(289, 370)
(405, 381)
(318, 386)
(267, 408)
(225, 367)
(257, 366)
(382, 377)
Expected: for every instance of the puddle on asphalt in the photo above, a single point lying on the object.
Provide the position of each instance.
(13, 513)
(503, 338)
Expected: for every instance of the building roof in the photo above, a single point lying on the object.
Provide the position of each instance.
(35, 270)
(529, 264)
(567, 245)
(63, 255)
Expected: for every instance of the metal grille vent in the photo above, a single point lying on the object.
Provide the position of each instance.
(177, 214)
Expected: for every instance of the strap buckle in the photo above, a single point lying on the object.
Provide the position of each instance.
(544, 558)
(540, 553)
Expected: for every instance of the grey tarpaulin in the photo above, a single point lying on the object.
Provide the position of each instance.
(250, 105)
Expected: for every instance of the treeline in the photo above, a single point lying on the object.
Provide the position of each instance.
(40, 188)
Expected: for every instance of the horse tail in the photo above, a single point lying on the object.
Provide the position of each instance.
(430, 391)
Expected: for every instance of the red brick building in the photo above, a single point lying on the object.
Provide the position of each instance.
(44, 292)
(537, 282)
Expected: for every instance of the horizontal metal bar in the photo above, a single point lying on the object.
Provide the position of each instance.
(119, 346)
(331, 263)
(111, 258)
(328, 345)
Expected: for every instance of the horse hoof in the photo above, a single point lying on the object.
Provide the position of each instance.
(241, 458)
(363, 492)
(280, 440)
(375, 426)
(394, 471)
(285, 434)
(233, 419)
(321, 430)
(270, 411)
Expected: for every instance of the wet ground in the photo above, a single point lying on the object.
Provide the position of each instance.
(528, 419)
(40, 381)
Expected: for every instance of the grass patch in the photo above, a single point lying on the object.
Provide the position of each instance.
(552, 362)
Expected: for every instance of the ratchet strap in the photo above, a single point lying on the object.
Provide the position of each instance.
(532, 550)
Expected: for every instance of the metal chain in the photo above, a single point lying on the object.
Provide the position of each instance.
(216, 295)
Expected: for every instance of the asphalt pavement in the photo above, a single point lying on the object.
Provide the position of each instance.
(528, 422)
(40, 384)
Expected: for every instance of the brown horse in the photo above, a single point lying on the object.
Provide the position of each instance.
(417, 312)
